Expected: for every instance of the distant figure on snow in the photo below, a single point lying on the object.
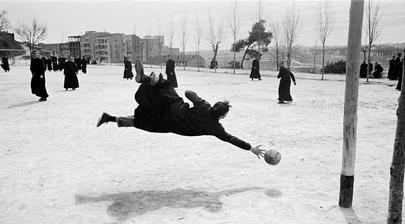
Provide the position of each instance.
(4, 64)
(391, 70)
(160, 109)
(127, 69)
(255, 72)
(285, 84)
(398, 65)
(363, 70)
(171, 74)
(37, 68)
(84, 65)
(70, 73)
(378, 69)
(49, 64)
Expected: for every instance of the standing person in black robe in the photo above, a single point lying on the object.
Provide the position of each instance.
(399, 71)
(170, 73)
(61, 63)
(128, 69)
(44, 61)
(363, 70)
(378, 69)
(55, 64)
(37, 68)
(78, 63)
(84, 65)
(49, 64)
(160, 109)
(391, 70)
(70, 73)
(4, 64)
(255, 72)
(285, 84)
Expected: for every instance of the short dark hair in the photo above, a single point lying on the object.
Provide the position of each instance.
(220, 108)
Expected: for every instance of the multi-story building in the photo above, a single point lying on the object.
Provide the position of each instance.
(74, 46)
(133, 47)
(64, 50)
(152, 46)
(117, 48)
(54, 49)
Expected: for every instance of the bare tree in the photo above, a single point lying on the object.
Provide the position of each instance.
(183, 38)
(324, 29)
(372, 30)
(198, 35)
(315, 57)
(275, 30)
(31, 34)
(215, 35)
(290, 26)
(171, 35)
(235, 26)
(396, 194)
(4, 23)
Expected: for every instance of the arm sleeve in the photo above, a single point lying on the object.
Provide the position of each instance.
(292, 76)
(196, 100)
(224, 136)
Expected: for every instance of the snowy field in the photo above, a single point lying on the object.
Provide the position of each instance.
(58, 168)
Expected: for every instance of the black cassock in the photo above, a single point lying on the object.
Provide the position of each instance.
(391, 70)
(399, 72)
(128, 70)
(49, 64)
(4, 64)
(255, 73)
(378, 69)
(84, 65)
(70, 72)
(37, 68)
(55, 64)
(171, 74)
(285, 84)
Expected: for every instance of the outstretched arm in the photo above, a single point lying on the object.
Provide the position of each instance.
(293, 77)
(224, 136)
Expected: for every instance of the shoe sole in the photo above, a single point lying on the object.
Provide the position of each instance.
(100, 119)
(139, 71)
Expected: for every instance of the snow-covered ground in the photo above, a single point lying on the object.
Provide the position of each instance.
(57, 167)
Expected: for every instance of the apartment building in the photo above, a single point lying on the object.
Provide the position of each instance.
(133, 47)
(152, 46)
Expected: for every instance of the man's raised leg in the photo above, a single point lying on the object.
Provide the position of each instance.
(121, 121)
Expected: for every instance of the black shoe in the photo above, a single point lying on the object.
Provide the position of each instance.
(42, 99)
(102, 119)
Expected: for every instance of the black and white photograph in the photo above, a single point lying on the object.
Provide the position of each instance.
(202, 111)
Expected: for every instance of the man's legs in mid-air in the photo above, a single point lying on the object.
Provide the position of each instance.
(128, 121)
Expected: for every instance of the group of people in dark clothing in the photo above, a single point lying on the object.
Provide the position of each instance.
(70, 70)
(376, 70)
(395, 70)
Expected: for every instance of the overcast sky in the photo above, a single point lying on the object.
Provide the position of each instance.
(64, 18)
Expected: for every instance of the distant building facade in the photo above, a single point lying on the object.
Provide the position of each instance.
(152, 46)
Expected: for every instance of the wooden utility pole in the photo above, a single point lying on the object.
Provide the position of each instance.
(350, 106)
(397, 165)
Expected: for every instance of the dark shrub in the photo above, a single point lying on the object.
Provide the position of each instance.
(338, 67)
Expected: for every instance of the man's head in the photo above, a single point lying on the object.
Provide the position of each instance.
(35, 54)
(399, 54)
(220, 109)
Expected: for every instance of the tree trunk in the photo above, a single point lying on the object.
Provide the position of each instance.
(277, 57)
(315, 57)
(368, 61)
(323, 59)
(244, 55)
(397, 166)
(234, 60)
(350, 105)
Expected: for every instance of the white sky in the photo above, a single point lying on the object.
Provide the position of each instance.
(145, 17)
